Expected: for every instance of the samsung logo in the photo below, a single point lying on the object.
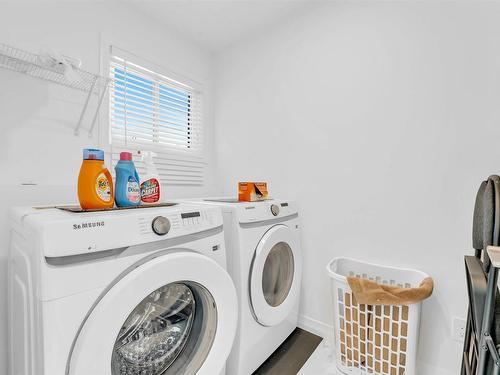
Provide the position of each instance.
(93, 224)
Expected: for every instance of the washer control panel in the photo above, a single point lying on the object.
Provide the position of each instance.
(191, 218)
(67, 234)
(179, 223)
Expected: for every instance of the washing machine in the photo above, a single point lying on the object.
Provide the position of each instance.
(265, 261)
(138, 291)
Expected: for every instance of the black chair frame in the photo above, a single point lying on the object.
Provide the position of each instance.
(481, 354)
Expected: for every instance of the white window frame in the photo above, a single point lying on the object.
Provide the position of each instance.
(171, 163)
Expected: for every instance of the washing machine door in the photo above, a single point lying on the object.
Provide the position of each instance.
(173, 314)
(275, 276)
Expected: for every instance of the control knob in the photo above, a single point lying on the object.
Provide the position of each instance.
(275, 209)
(160, 225)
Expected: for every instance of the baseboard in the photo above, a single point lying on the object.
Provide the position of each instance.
(315, 326)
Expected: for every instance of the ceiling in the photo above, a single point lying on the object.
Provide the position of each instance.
(216, 25)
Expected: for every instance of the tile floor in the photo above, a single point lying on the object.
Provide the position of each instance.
(321, 361)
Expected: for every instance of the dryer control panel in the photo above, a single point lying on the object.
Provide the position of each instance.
(266, 210)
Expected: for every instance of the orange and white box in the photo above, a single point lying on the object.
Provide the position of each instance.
(252, 191)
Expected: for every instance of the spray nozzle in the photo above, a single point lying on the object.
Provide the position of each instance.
(149, 163)
(146, 155)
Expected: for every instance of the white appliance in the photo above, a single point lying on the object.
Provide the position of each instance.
(264, 259)
(140, 291)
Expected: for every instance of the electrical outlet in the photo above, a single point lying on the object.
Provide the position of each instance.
(458, 329)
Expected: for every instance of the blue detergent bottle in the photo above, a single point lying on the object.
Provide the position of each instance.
(127, 189)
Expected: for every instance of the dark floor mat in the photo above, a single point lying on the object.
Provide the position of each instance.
(289, 358)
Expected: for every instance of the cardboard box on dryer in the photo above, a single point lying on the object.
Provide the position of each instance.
(252, 191)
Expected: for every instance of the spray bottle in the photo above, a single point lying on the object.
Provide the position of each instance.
(150, 181)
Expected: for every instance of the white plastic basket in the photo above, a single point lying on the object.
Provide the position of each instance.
(379, 340)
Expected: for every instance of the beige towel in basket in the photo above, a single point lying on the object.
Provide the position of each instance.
(369, 292)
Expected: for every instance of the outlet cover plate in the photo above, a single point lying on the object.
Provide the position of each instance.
(458, 329)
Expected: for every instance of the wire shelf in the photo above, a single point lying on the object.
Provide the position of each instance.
(30, 63)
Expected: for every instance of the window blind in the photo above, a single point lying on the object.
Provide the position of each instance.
(151, 112)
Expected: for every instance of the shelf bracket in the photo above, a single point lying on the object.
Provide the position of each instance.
(101, 99)
(87, 100)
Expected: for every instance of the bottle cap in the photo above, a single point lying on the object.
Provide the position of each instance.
(126, 156)
(93, 154)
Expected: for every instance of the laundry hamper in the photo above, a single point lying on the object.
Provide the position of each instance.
(379, 340)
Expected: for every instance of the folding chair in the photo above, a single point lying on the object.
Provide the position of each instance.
(481, 351)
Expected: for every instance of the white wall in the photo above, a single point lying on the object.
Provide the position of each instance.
(381, 119)
(37, 119)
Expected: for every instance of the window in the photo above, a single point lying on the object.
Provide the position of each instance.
(152, 112)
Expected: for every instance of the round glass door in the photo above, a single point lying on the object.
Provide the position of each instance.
(166, 332)
(171, 313)
(277, 277)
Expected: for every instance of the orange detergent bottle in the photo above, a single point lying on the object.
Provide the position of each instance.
(95, 184)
